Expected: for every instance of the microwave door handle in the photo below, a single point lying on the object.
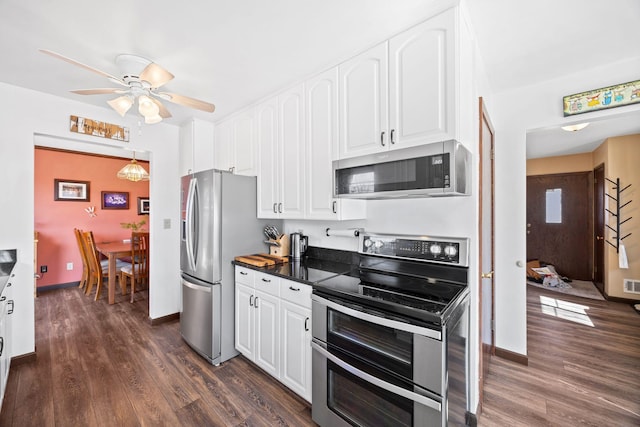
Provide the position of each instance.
(391, 388)
(430, 333)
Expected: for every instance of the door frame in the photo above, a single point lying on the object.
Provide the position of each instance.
(485, 356)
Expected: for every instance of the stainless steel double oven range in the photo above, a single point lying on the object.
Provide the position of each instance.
(390, 340)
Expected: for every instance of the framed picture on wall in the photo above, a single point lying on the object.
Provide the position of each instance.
(143, 206)
(71, 190)
(115, 200)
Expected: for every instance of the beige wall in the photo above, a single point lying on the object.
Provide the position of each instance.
(560, 164)
(621, 156)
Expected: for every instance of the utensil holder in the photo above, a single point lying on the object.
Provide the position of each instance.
(280, 246)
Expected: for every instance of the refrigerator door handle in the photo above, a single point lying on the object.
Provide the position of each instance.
(191, 197)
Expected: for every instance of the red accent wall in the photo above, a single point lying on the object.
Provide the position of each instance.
(55, 220)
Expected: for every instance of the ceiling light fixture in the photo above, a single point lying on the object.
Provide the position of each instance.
(121, 104)
(576, 127)
(133, 171)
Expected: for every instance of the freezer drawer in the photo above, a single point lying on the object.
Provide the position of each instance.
(200, 317)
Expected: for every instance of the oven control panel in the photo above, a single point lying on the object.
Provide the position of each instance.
(446, 250)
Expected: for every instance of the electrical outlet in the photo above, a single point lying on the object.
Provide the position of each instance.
(43, 269)
(69, 266)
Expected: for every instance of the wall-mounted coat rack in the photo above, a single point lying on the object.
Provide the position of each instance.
(616, 214)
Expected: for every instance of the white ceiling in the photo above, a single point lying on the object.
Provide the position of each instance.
(234, 52)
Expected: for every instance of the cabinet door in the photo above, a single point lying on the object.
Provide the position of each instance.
(363, 103)
(291, 152)
(244, 327)
(244, 144)
(321, 98)
(296, 349)
(267, 321)
(266, 116)
(203, 145)
(223, 153)
(186, 148)
(421, 79)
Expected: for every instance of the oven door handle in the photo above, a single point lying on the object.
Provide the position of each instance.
(431, 333)
(391, 388)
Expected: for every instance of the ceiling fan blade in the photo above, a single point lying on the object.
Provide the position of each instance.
(86, 67)
(101, 91)
(188, 102)
(155, 75)
(164, 113)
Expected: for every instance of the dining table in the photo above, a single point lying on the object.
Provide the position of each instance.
(113, 251)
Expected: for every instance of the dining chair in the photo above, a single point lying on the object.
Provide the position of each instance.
(138, 271)
(83, 255)
(98, 269)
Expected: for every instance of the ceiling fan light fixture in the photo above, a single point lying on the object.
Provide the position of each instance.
(122, 104)
(576, 127)
(153, 119)
(147, 107)
(133, 171)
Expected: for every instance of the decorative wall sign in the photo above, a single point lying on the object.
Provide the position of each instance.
(115, 200)
(96, 128)
(600, 99)
(66, 189)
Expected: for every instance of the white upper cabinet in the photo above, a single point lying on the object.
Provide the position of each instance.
(196, 146)
(291, 138)
(402, 92)
(421, 83)
(363, 102)
(235, 144)
(266, 123)
(321, 127)
(280, 136)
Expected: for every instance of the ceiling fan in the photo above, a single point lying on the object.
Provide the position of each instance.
(140, 81)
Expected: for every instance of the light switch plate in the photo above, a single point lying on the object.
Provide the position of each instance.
(167, 223)
(69, 266)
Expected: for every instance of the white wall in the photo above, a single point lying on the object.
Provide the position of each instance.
(28, 113)
(514, 113)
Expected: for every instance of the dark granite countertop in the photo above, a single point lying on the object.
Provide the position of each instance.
(318, 264)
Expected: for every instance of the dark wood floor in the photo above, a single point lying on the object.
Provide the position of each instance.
(106, 365)
(101, 365)
(578, 374)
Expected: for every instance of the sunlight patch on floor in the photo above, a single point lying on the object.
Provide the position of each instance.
(565, 310)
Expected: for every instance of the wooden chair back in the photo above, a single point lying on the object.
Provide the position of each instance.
(83, 255)
(96, 273)
(139, 270)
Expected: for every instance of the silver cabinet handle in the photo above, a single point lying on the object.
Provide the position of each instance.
(382, 138)
(335, 207)
(306, 327)
(392, 388)
(294, 289)
(274, 208)
(251, 300)
(255, 302)
(377, 320)
(10, 311)
(392, 131)
(279, 207)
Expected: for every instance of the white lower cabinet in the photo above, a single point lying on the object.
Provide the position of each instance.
(273, 327)
(257, 305)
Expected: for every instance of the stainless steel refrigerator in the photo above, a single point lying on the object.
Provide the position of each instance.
(218, 222)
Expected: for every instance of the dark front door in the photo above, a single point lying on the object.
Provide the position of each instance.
(559, 225)
(598, 229)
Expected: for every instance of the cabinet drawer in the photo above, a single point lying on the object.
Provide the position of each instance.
(297, 293)
(245, 275)
(267, 283)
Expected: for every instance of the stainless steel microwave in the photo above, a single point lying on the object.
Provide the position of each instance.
(437, 169)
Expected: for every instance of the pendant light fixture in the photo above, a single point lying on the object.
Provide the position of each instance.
(133, 171)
